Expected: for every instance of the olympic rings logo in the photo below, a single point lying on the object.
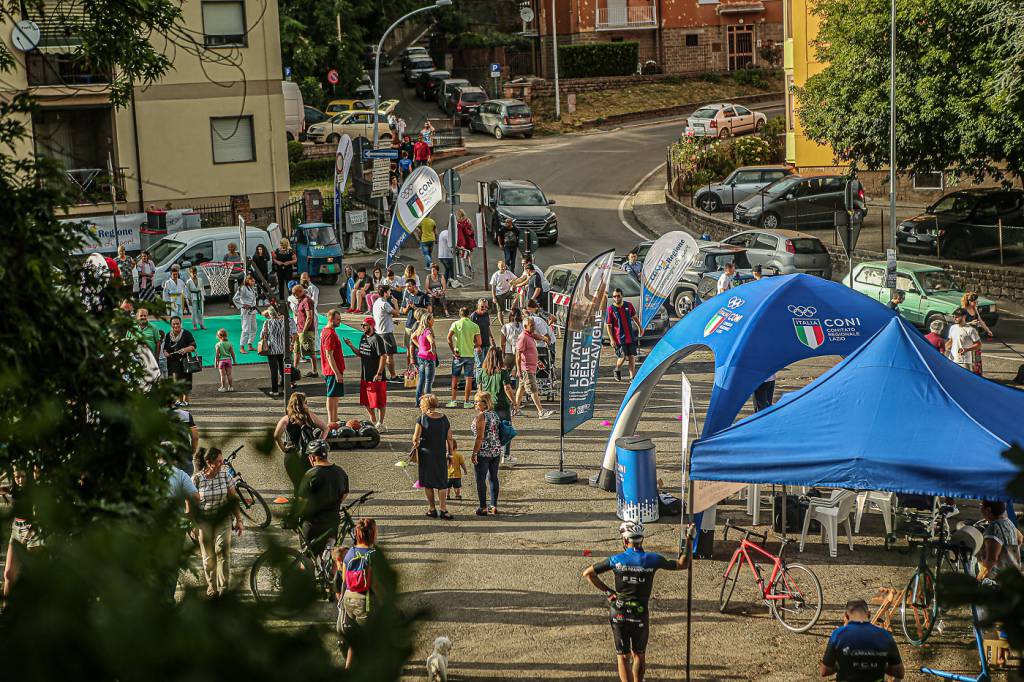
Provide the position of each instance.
(735, 302)
(803, 311)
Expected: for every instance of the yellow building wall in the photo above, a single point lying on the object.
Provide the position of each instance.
(803, 24)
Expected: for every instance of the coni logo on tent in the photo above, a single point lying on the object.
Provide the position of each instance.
(808, 328)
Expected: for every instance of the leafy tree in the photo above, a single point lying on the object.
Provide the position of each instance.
(950, 111)
(73, 416)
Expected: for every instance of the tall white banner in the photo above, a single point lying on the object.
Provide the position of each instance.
(420, 192)
(342, 163)
(663, 266)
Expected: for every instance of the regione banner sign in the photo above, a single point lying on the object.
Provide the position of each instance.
(584, 332)
(663, 266)
(420, 192)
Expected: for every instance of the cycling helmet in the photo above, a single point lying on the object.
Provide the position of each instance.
(317, 448)
(632, 530)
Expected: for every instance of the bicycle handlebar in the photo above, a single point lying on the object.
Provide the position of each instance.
(359, 500)
(729, 524)
(234, 453)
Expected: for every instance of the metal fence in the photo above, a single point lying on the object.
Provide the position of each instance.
(215, 215)
(447, 134)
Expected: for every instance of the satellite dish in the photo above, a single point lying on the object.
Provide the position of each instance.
(526, 14)
(25, 35)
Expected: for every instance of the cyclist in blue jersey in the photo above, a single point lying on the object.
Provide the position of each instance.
(859, 651)
(634, 578)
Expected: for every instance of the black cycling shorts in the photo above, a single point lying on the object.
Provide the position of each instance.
(630, 632)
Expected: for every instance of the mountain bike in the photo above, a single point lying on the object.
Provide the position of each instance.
(792, 592)
(307, 574)
(919, 607)
(251, 503)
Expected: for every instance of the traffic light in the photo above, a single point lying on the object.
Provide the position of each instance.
(854, 197)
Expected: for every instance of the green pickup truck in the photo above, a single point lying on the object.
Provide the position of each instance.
(931, 292)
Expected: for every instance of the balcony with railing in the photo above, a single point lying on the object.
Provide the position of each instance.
(620, 15)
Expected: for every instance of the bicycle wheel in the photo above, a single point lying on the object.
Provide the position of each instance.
(283, 580)
(919, 607)
(729, 581)
(801, 602)
(253, 506)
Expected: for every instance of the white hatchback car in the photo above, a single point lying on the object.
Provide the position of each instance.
(723, 120)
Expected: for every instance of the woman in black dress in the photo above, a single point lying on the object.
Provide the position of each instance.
(260, 262)
(284, 265)
(177, 345)
(433, 441)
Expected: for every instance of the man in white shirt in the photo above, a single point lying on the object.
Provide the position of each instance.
(727, 280)
(444, 253)
(964, 343)
(542, 331)
(501, 289)
(384, 322)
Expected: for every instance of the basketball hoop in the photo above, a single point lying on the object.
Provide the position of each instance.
(217, 274)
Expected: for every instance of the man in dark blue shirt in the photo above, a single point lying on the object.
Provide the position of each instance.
(860, 651)
(634, 578)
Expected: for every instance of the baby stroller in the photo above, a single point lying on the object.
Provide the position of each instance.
(548, 373)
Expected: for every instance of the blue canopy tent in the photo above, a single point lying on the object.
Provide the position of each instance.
(895, 415)
(754, 331)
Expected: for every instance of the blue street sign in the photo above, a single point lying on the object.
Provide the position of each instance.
(287, 72)
(495, 70)
(380, 154)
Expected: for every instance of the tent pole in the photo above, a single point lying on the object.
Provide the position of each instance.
(784, 500)
(689, 584)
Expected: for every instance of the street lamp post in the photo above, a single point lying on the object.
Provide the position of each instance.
(376, 62)
(554, 49)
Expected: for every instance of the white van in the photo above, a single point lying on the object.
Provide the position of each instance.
(192, 247)
(294, 111)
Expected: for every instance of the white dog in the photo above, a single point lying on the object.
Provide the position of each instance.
(437, 662)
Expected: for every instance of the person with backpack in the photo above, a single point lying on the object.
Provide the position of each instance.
(294, 431)
(487, 451)
(354, 580)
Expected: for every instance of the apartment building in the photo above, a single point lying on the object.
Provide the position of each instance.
(211, 128)
(681, 36)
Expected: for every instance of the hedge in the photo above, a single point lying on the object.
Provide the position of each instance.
(598, 59)
(312, 169)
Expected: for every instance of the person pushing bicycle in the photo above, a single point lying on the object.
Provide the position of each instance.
(320, 494)
(634, 571)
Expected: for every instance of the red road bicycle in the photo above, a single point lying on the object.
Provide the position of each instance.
(792, 593)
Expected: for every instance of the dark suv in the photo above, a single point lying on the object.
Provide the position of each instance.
(428, 82)
(963, 223)
(795, 201)
(699, 281)
(523, 202)
(464, 102)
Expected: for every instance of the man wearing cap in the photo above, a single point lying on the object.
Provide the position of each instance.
(373, 390)
(634, 578)
(859, 651)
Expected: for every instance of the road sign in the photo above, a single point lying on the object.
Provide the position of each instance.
(452, 182)
(332, 77)
(380, 154)
(526, 14)
(495, 70)
(381, 178)
(288, 73)
(890, 268)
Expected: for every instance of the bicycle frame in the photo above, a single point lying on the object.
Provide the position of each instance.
(777, 564)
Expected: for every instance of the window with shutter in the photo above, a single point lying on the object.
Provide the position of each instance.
(224, 23)
(232, 139)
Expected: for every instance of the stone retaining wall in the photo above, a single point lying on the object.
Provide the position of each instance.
(998, 282)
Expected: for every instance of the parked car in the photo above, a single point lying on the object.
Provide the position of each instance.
(724, 120)
(444, 92)
(465, 101)
(931, 292)
(294, 114)
(700, 279)
(194, 247)
(501, 117)
(370, 57)
(737, 186)
(410, 54)
(312, 116)
(429, 81)
(964, 223)
(786, 251)
(352, 123)
(418, 65)
(563, 278)
(361, 98)
(525, 203)
(794, 201)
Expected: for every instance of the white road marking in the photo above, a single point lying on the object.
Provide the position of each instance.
(631, 194)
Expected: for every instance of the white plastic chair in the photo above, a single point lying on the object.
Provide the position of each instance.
(830, 514)
(876, 500)
(754, 502)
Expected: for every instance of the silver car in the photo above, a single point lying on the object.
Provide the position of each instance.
(785, 251)
(724, 120)
(740, 184)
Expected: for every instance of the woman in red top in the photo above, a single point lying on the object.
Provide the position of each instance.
(465, 240)
(934, 335)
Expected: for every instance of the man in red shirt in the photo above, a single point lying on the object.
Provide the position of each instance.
(305, 323)
(624, 333)
(934, 336)
(421, 153)
(332, 362)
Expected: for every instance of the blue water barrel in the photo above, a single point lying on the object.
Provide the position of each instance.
(636, 479)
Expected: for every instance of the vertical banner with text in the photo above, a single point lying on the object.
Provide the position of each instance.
(342, 163)
(420, 192)
(584, 332)
(663, 266)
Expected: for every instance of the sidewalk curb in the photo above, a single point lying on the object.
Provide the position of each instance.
(472, 162)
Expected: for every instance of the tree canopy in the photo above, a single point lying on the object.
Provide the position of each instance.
(958, 85)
